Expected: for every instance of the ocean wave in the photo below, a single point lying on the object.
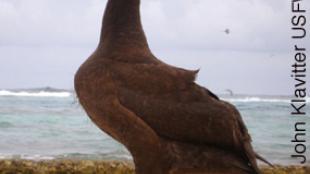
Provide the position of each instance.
(26, 157)
(35, 157)
(34, 94)
(258, 99)
(98, 156)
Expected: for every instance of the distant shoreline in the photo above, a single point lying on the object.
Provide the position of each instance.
(223, 93)
(220, 94)
(63, 93)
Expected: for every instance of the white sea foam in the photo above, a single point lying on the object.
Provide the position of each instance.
(26, 157)
(2, 156)
(257, 99)
(34, 94)
(36, 157)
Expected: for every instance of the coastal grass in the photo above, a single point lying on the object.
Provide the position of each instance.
(101, 167)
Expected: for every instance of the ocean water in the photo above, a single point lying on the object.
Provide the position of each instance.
(50, 124)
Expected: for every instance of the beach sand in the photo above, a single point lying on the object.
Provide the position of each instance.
(101, 167)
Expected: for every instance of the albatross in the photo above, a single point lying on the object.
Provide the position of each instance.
(168, 122)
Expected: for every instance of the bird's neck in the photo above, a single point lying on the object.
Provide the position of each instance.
(122, 29)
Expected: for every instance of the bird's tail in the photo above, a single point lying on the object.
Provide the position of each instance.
(251, 155)
(246, 145)
(263, 159)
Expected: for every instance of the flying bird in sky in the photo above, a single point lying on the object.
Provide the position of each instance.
(227, 31)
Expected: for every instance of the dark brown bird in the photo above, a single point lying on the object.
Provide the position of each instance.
(169, 123)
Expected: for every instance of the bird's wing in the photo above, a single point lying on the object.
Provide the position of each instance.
(153, 79)
(169, 101)
(189, 115)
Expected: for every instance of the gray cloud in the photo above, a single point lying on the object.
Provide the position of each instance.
(193, 24)
(53, 37)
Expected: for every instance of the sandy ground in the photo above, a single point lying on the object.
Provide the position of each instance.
(101, 167)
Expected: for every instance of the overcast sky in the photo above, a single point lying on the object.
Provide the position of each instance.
(43, 42)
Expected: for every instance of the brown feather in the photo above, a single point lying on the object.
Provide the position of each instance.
(157, 110)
